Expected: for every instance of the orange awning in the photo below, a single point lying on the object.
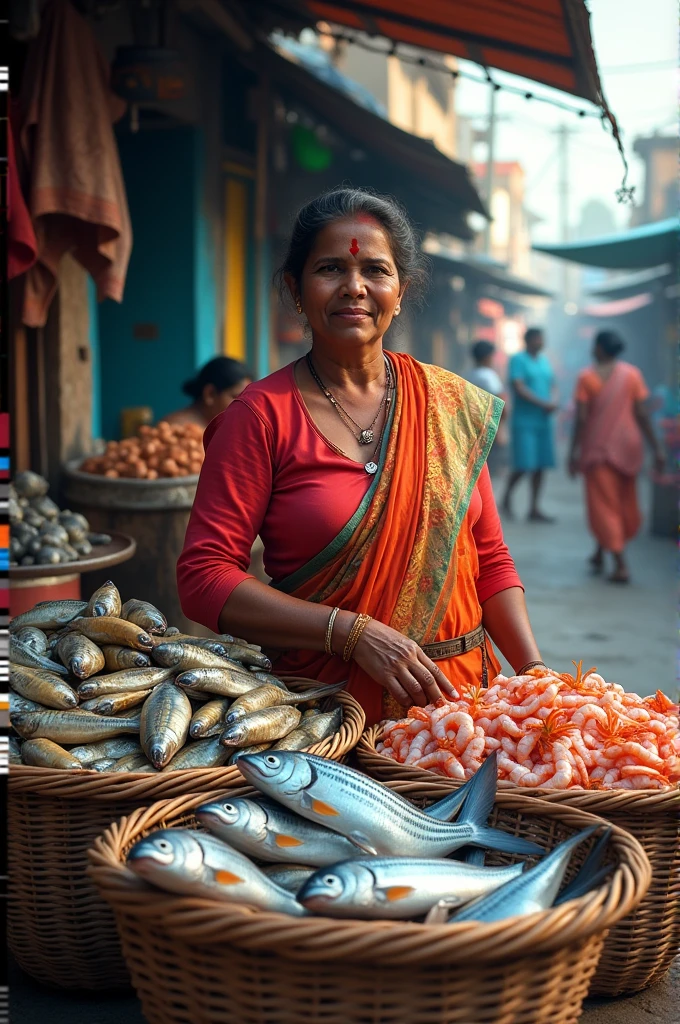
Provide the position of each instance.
(547, 41)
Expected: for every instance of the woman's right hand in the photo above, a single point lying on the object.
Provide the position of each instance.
(401, 666)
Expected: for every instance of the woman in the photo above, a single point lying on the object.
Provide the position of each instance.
(213, 390)
(484, 376)
(364, 473)
(607, 447)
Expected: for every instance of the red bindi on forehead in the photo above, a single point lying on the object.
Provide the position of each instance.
(354, 247)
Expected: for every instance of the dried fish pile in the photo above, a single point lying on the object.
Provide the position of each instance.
(109, 686)
(40, 532)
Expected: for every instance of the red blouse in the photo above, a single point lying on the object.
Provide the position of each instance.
(269, 471)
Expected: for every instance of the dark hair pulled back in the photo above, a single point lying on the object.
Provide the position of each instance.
(222, 372)
(344, 203)
(610, 342)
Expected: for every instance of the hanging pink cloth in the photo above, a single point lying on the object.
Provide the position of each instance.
(76, 196)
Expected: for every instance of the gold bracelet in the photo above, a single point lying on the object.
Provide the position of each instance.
(530, 665)
(355, 632)
(329, 631)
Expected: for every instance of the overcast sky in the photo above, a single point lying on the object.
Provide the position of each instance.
(636, 45)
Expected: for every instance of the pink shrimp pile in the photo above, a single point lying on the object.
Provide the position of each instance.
(554, 731)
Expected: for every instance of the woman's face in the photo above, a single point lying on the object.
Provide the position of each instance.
(215, 401)
(350, 286)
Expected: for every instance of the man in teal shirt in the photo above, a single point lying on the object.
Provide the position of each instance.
(533, 383)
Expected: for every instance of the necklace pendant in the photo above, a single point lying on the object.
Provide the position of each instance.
(366, 436)
(371, 468)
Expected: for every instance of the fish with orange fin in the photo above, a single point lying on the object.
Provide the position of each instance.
(191, 863)
(267, 831)
(383, 888)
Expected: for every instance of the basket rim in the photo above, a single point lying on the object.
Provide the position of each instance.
(142, 786)
(597, 801)
(201, 921)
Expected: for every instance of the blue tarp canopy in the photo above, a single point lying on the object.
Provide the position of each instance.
(646, 246)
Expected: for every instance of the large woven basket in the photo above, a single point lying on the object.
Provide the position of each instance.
(59, 930)
(199, 961)
(641, 948)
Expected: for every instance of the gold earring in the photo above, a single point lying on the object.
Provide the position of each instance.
(397, 311)
(298, 305)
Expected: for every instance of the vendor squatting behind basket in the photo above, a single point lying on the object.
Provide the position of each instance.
(364, 473)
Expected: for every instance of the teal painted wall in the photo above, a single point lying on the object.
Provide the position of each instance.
(170, 282)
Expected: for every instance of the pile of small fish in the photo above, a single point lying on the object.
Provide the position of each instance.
(554, 730)
(126, 693)
(41, 534)
(331, 841)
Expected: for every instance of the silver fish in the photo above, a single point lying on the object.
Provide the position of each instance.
(134, 762)
(194, 864)
(107, 629)
(379, 821)
(45, 688)
(268, 695)
(263, 726)
(534, 890)
(397, 887)
(267, 831)
(81, 656)
(248, 655)
(146, 615)
(298, 739)
(591, 873)
(21, 654)
(105, 601)
(14, 751)
(209, 719)
(164, 723)
(289, 876)
(46, 754)
(204, 642)
(223, 682)
(111, 703)
(18, 703)
(118, 658)
(319, 727)
(48, 615)
(70, 726)
(104, 764)
(126, 681)
(254, 748)
(185, 657)
(116, 748)
(205, 753)
(32, 637)
(267, 677)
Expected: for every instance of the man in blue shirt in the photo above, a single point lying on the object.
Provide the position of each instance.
(532, 381)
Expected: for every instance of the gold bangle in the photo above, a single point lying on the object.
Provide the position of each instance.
(355, 632)
(329, 631)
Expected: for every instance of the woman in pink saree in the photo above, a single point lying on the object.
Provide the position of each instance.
(608, 448)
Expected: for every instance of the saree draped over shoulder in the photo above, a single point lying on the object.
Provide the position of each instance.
(407, 556)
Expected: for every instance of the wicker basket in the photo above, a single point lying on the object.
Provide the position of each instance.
(641, 948)
(199, 961)
(59, 930)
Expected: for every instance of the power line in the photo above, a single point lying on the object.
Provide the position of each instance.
(630, 69)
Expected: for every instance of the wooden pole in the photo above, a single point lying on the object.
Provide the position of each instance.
(262, 255)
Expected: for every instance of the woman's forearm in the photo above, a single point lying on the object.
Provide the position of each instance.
(266, 617)
(506, 620)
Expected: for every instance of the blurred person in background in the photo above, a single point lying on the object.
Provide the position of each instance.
(532, 381)
(484, 376)
(213, 389)
(611, 426)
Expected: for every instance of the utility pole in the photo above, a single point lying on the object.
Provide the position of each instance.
(563, 133)
(491, 145)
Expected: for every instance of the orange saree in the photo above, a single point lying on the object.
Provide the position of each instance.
(407, 556)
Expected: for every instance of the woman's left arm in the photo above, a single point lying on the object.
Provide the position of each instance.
(499, 588)
(644, 422)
